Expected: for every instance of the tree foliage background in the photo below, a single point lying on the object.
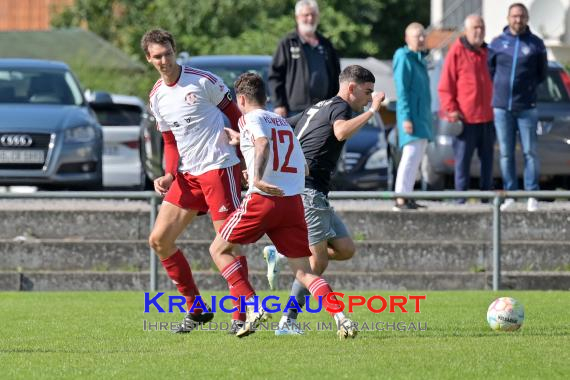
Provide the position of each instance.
(357, 28)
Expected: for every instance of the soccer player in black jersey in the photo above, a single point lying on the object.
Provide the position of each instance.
(322, 131)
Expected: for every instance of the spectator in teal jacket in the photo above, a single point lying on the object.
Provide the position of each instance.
(413, 111)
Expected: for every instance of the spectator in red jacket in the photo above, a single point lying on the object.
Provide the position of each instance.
(465, 93)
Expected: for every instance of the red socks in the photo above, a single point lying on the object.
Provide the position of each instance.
(320, 288)
(238, 282)
(180, 273)
(236, 315)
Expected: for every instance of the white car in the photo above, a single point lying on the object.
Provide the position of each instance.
(122, 118)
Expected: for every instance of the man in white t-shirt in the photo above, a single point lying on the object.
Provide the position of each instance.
(202, 170)
(276, 176)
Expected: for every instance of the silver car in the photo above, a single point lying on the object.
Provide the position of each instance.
(49, 136)
(123, 118)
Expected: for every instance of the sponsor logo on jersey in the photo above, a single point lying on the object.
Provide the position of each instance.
(190, 98)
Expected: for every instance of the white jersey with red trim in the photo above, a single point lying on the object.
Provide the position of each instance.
(286, 164)
(189, 108)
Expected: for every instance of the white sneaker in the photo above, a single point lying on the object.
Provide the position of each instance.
(532, 205)
(252, 320)
(508, 203)
(274, 264)
(346, 329)
(288, 326)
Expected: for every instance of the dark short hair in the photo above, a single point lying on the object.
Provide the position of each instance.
(520, 5)
(157, 36)
(356, 73)
(251, 85)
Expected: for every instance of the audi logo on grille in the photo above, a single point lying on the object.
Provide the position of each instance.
(16, 140)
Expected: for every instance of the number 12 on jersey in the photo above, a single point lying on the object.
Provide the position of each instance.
(278, 138)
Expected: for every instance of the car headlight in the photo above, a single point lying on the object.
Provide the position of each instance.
(377, 160)
(80, 134)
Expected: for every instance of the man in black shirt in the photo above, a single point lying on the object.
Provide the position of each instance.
(305, 65)
(322, 131)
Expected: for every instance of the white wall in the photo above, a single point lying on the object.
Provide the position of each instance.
(495, 15)
(436, 12)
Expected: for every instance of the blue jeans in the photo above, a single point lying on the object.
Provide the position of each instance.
(507, 123)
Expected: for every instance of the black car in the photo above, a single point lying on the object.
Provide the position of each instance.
(363, 165)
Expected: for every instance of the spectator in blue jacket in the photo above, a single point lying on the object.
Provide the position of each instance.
(413, 111)
(517, 63)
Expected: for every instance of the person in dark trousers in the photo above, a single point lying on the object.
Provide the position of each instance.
(517, 62)
(465, 91)
(305, 66)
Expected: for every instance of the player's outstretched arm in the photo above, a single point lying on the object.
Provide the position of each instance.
(344, 129)
(261, 145)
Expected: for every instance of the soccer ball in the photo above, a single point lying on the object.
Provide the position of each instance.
(505, 314)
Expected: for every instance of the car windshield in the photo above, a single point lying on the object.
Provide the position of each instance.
(39, 87)
(229, 73)
(552, 90)
(117, 114)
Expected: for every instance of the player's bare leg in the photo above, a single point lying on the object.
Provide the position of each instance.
(236, 249)
(170, 223)
(341, 249)
(318, 287)
(231, 269)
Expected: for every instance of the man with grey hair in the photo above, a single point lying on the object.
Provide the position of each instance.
(413, 111)
(465, 92)
(305, 66)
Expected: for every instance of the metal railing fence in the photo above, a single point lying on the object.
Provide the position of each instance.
(154, 199)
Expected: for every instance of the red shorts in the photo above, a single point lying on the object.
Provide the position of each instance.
(281, 218)
(217, 190)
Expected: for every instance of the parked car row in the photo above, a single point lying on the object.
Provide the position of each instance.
(553, 107)
(54, 136)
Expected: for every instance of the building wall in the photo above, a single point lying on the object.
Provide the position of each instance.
(29, 14)
(550, 19)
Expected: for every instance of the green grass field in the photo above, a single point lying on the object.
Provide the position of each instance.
(100, 335)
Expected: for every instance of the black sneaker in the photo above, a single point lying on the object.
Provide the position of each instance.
(404, 206)
(191, 321)
(415, 205)
(236, 325)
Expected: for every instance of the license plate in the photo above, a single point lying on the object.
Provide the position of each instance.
(112, 150)
(22, 156)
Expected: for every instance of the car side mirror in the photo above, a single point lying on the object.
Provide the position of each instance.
(99, 97)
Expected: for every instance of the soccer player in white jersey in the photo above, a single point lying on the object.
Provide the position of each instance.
(202, 169)
(276, 177)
